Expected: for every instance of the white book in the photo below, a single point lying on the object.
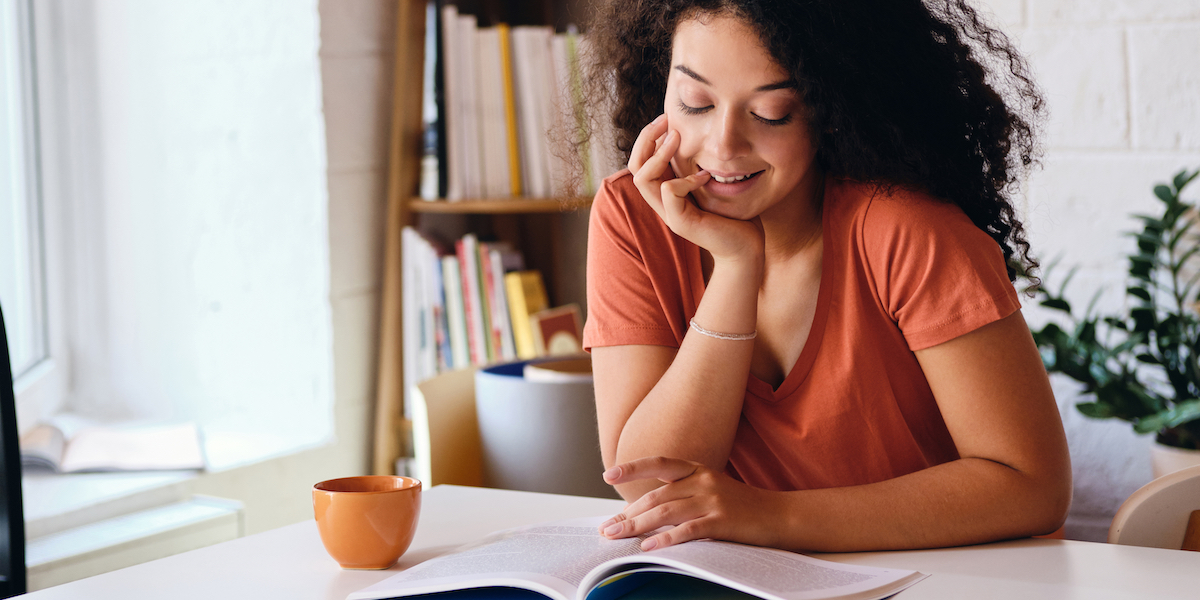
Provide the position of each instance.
(411, 313)
(562, 113)
(492, 118)
(569, 560)
(456, 319)
(529, 60)
(473, 175)
(543, 56)
(429, 343)
(499, 304)
(603, 157)
(454, 102)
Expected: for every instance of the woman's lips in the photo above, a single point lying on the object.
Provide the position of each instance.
(734, 183)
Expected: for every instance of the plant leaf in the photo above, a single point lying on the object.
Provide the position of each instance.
(1182, 179)
(1139, 292)
(1095, 410)
(1181, 413)
(1164, 193)
(1057, 304)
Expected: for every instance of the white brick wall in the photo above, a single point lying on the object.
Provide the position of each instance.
(1122, 82)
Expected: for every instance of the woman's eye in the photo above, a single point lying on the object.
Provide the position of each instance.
(690, 110)
(775, 122)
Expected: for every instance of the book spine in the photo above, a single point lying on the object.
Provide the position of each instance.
(455, 143)
(575, 98)
(489, 286)
(510, 109)
(560, 110)
(485, 309)
(456, 317)
(445, 358)
(473, 167)
(430, 117)
(500, 314)
(469, 306)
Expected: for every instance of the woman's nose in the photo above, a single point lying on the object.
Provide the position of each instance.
(727, 138)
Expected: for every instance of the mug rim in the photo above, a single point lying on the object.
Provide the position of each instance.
(411, 483)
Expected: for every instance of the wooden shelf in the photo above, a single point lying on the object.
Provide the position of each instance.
(499, 205)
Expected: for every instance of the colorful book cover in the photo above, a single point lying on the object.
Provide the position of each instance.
(557, 331)
(526, 295)
(510, 109)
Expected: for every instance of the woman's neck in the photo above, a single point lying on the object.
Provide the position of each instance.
(793, 227)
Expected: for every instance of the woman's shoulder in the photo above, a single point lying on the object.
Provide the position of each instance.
(619, 205)
(882, 211)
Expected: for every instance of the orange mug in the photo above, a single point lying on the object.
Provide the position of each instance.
(367, 522)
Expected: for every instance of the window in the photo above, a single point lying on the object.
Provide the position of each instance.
(183, 265)
(22, 280)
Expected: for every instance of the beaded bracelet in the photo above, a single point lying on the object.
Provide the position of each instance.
(724, 336)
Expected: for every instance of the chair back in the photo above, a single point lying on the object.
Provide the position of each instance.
(12, 511)
(1164, 513)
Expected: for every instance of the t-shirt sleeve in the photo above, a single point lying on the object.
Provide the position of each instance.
(624, 307)
(936, 274)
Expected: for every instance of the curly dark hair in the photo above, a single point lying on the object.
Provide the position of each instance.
(909, 93)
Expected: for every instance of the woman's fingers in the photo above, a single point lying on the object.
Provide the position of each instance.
(649, 178)
(678, 210)
(662, 468)
(646, 143)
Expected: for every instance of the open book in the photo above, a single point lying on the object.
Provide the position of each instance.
(67, 444)
(570, 560)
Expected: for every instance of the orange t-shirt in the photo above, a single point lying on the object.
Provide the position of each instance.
(899, 273)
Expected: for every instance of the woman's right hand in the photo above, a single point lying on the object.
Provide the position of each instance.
(650, 163)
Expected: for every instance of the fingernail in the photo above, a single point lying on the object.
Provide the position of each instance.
(659, 118)
(649, 544)
(612, 473)
(607, 523)
(613, 529)
(702, 173)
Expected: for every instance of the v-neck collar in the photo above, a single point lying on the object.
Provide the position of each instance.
(808, 355)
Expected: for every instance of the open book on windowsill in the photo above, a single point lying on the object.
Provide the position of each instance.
(570, 560)
(68, 444)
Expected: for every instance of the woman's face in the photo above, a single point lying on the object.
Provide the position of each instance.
(739, 117)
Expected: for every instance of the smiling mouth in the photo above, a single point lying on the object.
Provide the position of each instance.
(735, 178)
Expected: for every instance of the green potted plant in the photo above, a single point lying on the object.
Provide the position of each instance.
(1142, 365)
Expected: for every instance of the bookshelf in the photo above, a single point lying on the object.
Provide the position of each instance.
(532, 224)
(497, 206)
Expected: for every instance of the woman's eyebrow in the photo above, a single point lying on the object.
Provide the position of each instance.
(779, 85)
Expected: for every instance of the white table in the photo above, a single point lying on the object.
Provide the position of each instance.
(290, 562)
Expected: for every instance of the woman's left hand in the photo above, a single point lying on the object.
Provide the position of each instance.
(700, 502)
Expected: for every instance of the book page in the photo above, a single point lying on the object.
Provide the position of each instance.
(42, 447)
(770, 573)
(134, 448)
(552, 558)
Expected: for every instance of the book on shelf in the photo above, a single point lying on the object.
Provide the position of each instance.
(433, 154)
(460, 305)
(557, 331)
(526, 295)
(456, 318)
(569, 560)
(502, 90)
(69, 444)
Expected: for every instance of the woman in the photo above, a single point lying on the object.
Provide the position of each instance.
(801, 312)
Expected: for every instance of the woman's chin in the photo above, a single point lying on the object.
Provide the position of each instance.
(725, 209)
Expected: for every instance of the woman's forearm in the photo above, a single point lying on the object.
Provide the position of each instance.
(693, 410)
(967, 501)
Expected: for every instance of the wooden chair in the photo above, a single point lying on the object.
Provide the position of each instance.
(1164, 513)
(12, 512)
